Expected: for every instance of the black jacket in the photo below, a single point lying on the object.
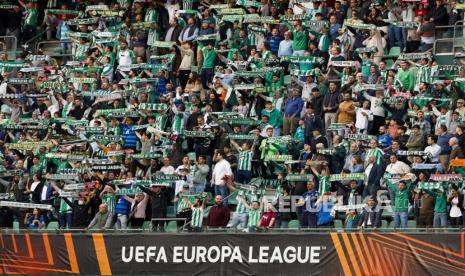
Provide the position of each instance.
(439, 14)
(345, 191)
(314, 141)
(80, 213)
(312, 122)
(374, 214)
(159, 201)
(375, 175)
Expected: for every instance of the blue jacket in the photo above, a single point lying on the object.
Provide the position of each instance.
(274, 44)
(310, 198)
(122, 206)
(294, 106)
(130, 138)
(324, 214)
(443, 142)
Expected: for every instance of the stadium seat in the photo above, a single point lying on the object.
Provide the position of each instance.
(411, 224)
(147, 225)
(15, 225)
(53, 225)
(389, 63)
(171, 227)
(232, 198)
(338, 224)
(171, 212)
(394, 52)
(294, 224)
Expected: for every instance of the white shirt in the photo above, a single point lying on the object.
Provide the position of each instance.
(43, 195)
(361, 122)
(454, 209)
(124, 58)
(306, 89)
(167, 170)
(221, 169)
(367, 172)
(375, 105)
(435, 150)
(34, 185)
(398, 168)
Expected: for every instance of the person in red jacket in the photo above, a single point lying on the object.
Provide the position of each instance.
(218, 216)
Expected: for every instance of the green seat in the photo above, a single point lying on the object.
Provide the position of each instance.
(384, 224)
(232, 199)
(171, 227)
(411, 224)
(389, 63)
(394, 52)
(170, 212)
(147, 225)
(295, 224)
(206, 212)
(338, 224)
(16, 225)
(53, 225)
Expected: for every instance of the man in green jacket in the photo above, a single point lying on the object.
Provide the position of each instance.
(300, 39)
(402, 194)
(406, 77)
(440, 207)
(275, 118)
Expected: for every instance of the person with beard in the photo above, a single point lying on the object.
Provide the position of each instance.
(219, 214)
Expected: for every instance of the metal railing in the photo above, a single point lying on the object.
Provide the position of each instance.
(245, 232)
(11, 43)
(57, 45)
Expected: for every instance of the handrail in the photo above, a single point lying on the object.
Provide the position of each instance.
(456, 25)
(15, 45)
(443, 40)
(241, 231)
(25, 45)
(38, 46)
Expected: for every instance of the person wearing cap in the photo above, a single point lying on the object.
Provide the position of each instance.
(103, 218)
(201, 170)
(209, 59)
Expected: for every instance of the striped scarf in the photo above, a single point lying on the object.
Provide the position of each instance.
(423, 74)
(254, 217)
(378, 153)
(197, 217)
(245, 160)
